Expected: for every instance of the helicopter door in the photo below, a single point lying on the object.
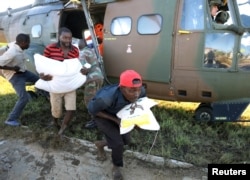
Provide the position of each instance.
(138, 39)
(188, 47)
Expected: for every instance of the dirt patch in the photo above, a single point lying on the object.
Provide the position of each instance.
(19, 160)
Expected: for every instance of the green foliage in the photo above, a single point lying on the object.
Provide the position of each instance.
(180, 136)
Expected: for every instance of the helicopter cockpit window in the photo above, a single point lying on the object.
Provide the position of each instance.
(244, 62)
(121, 26)
(221, 15)
(244, 58)
(244, 6)
(219, 44)
(218, 50)
(36, 31)
(192, 15)
(149, 24)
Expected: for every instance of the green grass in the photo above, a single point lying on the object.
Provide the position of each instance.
(180, 136)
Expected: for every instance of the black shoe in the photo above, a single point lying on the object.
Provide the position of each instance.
(90, 124)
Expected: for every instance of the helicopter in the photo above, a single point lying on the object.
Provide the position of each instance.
(174, 45)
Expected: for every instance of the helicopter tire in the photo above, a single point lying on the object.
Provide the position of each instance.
(204, 114)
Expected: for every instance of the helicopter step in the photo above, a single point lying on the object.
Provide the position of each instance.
(228, 112)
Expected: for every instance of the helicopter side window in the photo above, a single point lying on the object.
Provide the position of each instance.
(149, 24)
(192, 15)
(121, 26)
(218, 50)
(36, 31)
(244, 62)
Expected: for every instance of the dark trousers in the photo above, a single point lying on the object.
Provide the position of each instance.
(114, 139)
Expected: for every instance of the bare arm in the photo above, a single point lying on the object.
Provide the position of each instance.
(44, 77)
(15, 68)
(109, 117)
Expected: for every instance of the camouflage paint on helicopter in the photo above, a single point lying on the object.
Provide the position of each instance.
(181, 53)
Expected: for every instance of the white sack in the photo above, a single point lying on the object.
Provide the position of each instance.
(66, 74)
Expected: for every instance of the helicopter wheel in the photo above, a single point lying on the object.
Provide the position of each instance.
(204, 114)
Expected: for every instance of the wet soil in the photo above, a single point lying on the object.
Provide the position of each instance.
(36, 161)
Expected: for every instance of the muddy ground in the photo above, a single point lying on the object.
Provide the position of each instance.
(20, 160)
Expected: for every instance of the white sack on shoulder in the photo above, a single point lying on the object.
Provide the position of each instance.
(66, 74)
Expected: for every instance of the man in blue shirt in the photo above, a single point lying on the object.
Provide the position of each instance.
(105, 104)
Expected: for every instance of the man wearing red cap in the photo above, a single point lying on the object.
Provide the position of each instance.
(106, 103)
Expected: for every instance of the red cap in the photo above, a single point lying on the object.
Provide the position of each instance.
(130, 78)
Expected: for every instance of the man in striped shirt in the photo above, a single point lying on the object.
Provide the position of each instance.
(60, 51)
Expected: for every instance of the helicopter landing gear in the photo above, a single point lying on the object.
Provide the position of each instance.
(204, 112)
(221, 111)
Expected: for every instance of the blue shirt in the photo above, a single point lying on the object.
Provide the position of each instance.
(110, 100)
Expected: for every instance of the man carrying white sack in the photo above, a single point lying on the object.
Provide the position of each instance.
(13, 67)
(60, 51)
(104, 106)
